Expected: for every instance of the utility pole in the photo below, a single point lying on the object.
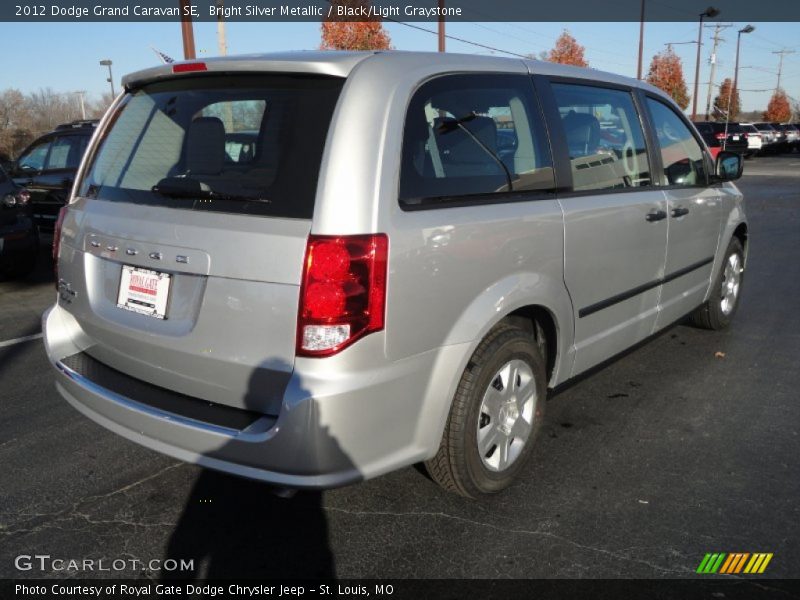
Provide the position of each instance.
(227, 109)
(83, 105)
(187, 31)
(713, 60)
(221, 42)
(441, 26)
(782, 53)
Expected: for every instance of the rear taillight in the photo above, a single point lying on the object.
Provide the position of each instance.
(57, 240)
(720, 136)
(18, 198)
(343, 292)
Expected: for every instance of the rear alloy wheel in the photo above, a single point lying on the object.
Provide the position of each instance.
(717, 312)
(506, 415)
(495, 416)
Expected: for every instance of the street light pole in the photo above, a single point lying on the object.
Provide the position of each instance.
(735, 86)
(107, 63)
(747, 29)
(710, 12)
(641, 42)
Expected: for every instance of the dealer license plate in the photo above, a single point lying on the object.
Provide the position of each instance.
(735, 138)
(144, 291)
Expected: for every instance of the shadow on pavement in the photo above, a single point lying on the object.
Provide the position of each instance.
(234, 527)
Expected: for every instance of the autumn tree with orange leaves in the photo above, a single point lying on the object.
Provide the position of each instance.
(778, 110)
(666, 73)
(567, 51)
(340, 34)
(725, 98)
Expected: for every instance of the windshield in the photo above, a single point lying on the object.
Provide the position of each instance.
(243, 144)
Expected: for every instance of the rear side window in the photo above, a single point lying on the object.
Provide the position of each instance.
(604, 137)
(34, 159)
(242, 144)
(473, 135)
(681, 156)
(66, 152)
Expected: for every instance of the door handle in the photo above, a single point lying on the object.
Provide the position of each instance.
(679, 212)
(658, 215)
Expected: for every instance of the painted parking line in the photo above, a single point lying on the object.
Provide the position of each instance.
(27, 338)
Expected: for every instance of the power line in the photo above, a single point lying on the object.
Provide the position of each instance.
(458, 39)
(453, 37)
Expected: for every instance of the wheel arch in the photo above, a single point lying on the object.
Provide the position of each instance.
(539, 321)
(528, 298)
(741, 233)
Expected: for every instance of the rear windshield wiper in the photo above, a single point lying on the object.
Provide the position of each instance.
(180, 187)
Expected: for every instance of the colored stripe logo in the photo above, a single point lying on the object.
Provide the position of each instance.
(734, 563)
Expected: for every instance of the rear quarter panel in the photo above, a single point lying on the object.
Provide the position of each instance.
(453, 272)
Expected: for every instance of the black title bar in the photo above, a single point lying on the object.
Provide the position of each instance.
(397, 10)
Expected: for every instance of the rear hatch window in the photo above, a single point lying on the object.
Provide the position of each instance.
(235, 143)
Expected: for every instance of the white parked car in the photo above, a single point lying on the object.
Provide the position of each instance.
(754, 141)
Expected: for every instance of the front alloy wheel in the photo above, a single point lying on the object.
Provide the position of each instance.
(718, 311)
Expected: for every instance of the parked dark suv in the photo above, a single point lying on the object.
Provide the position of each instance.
(48, 166)
(714, 135)
(19, 243)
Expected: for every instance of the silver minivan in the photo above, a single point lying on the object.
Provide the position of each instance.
(314, 268)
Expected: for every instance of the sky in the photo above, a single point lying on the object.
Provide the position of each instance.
(65, 56)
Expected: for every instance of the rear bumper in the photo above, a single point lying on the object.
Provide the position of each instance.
(336, 425)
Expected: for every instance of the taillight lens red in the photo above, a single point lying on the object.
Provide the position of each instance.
(720, 136)
(57, 240)
(343, 292)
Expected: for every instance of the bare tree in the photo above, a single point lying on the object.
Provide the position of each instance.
(24, 117)
(16, 122)
(98, 108)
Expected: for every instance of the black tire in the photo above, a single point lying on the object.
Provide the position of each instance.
(711, 315)
(458, 465)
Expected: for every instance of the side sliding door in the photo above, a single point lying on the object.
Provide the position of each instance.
(615, 216)
(694, 209)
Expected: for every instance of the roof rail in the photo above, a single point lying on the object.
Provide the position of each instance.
(79, 124)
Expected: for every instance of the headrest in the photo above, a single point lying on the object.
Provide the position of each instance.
(457, 147)
(583, 133)
(205, 146)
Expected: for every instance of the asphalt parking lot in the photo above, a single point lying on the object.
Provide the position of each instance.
(689, 444)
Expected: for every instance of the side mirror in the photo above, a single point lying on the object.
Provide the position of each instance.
(729, 166)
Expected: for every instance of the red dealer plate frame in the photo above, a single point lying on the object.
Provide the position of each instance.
(144, 291)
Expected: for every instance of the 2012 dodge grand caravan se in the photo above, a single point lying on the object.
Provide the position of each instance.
(312, 269)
